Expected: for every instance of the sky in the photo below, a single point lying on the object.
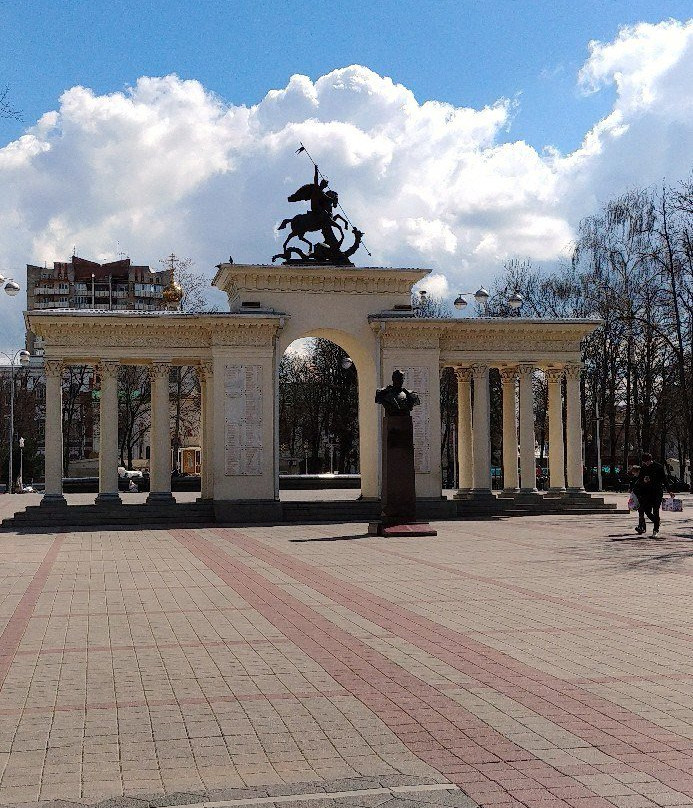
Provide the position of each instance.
(459, 134)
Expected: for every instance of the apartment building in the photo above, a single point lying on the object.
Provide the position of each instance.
(82, 284)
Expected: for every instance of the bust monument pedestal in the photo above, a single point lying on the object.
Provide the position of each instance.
(398, 516)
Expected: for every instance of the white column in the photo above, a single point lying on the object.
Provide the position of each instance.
(528, 467)
(482, 430)
(160, 436)
(511, 483)
(53, 493)
(205, 372)
(554, 379)
(464, 429)
(573, 427)
(108, 433)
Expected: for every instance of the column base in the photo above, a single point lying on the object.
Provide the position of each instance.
(109, 498)
(509, 492)
(462, 493)
(481, 494)
(160, 498)
(53, 501)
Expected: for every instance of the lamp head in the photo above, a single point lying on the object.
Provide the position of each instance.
(481, 295)
(11, 287)
(460, 302)
(515, 300)
(24, 357)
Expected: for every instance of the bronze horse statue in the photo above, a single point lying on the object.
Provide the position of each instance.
(314, 221)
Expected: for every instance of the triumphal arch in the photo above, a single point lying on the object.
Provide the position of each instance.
(365, 310)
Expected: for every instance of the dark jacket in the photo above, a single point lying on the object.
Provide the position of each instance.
(651, 484)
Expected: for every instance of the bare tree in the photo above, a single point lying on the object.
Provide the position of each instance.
(6, 108)
(134, 400)
(184, 384)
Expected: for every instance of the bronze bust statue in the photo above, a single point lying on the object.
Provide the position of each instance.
(395, 398)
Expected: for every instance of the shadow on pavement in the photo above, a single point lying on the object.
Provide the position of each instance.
(335, 538)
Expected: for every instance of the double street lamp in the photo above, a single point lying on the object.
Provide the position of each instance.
(515, 300)
(481, 296)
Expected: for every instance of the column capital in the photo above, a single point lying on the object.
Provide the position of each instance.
(573, 371)
(53, 367)
(159, 370)
(479, 371)
(508, 374)
(205, 370)
(525, 369)
(108, 368)
(463, 374)
(554, 375)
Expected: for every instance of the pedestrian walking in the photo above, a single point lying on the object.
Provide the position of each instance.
(649, 488)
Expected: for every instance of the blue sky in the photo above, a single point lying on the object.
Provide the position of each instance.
(459, 135)
(466, 53)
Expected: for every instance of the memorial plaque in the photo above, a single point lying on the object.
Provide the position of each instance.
(417, 379)
(243, 450)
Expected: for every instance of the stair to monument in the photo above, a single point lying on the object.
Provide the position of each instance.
(86, 516)
(186, 514)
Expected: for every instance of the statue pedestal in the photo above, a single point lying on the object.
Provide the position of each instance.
(398, 517)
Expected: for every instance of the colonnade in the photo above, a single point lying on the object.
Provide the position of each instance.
(474, 429)
(474, 433)
(160, 432)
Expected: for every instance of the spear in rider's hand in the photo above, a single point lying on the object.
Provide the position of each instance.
(302, 148)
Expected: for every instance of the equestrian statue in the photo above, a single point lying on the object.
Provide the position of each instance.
(321, 218)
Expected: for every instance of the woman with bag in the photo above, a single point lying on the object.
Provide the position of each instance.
(649, 488)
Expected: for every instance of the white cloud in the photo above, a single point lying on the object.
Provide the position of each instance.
(167, 166)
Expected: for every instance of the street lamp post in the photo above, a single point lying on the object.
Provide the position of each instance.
(12, 289)
(597, 424)
(21, 464)
(24, 357)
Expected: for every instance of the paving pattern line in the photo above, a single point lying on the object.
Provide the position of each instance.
(11, 637)
(521, 590)
(591, 718)
(433, 726)
(392, 791)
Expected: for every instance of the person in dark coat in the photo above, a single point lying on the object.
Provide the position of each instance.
(649, 488)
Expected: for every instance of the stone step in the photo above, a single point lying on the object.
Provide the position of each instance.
(198, 513)
(182, 514)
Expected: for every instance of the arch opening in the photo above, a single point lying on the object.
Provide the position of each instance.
(318, 421)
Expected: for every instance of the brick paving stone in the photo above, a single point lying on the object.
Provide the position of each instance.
(537, 661)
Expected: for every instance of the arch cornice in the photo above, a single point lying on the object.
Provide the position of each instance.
(136, 336)
(466, 338)
(235, 279)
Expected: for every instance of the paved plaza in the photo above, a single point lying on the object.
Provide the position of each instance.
(536, 661)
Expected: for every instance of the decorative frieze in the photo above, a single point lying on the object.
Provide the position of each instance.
(243, 446)
(417, 380)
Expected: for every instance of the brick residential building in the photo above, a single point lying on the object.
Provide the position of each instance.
(82, 284)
